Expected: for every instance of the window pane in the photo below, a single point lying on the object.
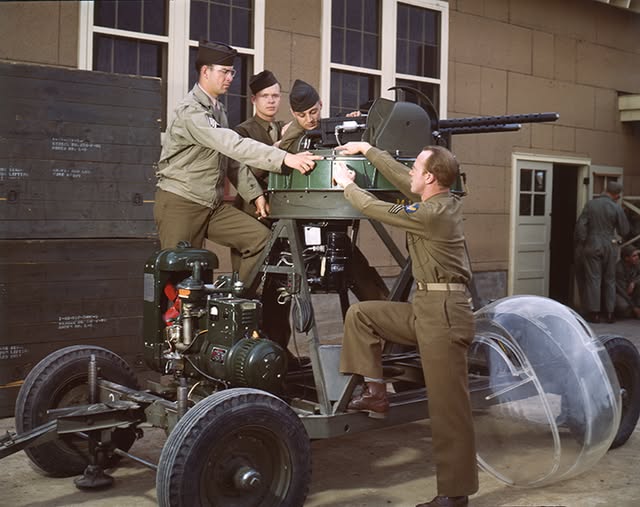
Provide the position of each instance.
(104, 14)
(129, 15)
(125, 57)
(351, 91)
(359, 43)
(538, 205)
(150, 59)
(417, 47)
(220, 24)
(241, 29)
(430, 90)
(539, 185)
(198, 20)
(102, 53)
(525, 180)
(525, 205)
(154, 16)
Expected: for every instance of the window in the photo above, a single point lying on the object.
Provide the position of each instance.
(533, 192)
(159, 38)
(370, 46)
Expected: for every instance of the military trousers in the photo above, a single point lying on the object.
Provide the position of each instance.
(599, 260)
(179, 219)
(441, 325)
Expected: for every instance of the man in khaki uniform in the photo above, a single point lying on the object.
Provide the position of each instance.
(198, 152)
(263, 127)
(439, 320)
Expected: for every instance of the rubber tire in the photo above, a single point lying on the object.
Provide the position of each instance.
(65, 373)
(626, 361)
(246, 427)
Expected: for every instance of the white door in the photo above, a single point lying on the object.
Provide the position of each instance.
(531, 231)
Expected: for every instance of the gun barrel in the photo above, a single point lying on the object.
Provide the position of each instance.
(480, 129)
(498, 120)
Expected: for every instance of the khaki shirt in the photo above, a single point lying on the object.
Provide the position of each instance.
(258, 129)
(197, 151)
(291, 139)
(435, 237)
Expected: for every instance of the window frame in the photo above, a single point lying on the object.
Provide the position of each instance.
(388, 35)
(177, 41)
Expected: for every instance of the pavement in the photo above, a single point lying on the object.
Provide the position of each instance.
(390, 467)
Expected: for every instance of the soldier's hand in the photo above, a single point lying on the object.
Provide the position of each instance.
(342, 175)
(262, 207)
(303, 162)
(353, 148)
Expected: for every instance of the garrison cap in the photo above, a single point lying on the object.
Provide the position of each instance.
(214, 53)
(302, 96)
(262, 80)
(614, 187)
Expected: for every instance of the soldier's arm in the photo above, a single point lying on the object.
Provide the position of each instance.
(243, 180)
(396, 172)
(202, 129)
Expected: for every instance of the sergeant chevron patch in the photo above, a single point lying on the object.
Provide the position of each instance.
(396, 209)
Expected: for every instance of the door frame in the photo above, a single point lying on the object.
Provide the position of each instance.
(584, 171)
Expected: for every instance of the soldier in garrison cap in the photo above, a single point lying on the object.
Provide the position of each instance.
(198, 152)
(596, 238)
(628, 282)
(439, 320)
(306, 108)
(264, 127)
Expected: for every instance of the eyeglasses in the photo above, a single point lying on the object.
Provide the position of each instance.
(226, 72)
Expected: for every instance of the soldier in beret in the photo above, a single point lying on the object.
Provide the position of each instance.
(198, 152)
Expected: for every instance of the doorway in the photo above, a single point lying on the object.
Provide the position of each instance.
(564, 206)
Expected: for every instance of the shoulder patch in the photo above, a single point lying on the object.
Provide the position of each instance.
(395, 209)
(212, 121)
(411, 208)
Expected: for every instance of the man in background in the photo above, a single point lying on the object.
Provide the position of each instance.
(595, 236)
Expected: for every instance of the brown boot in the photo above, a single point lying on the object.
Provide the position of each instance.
(446, 501)
(373, 400)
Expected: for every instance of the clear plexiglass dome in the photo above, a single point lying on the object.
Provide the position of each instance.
(545, 395)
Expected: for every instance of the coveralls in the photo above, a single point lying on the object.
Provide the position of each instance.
(196, 157)
(439, 322)
(595, 232)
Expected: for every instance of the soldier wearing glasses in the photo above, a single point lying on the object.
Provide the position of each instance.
(198, 152)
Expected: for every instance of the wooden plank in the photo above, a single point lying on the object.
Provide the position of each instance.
(32, 128)
(74, 75)
(48, 90)
(109, 114)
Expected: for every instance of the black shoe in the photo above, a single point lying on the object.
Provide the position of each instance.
(593, 317)
(611, 318)
(446, 501)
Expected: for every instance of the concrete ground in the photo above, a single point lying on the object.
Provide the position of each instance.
(384, 468)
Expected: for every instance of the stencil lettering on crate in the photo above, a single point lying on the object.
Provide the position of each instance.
(72, 144)
(60, 172)
(79, 321)
(12, 351)
(13, 173)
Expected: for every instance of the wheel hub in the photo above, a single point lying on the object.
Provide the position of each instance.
(247, 479)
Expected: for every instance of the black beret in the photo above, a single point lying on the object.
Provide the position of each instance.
(262, 80)
(302, 96)
(215, 53)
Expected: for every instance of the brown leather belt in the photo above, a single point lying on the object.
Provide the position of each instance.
(447, 287)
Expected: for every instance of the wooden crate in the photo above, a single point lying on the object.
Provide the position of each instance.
(55, 293)
(77, 153)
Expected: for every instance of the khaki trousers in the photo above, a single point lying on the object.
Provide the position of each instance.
(179, 219)
(441, 325)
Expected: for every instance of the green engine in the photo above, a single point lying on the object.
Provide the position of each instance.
(203, 329)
